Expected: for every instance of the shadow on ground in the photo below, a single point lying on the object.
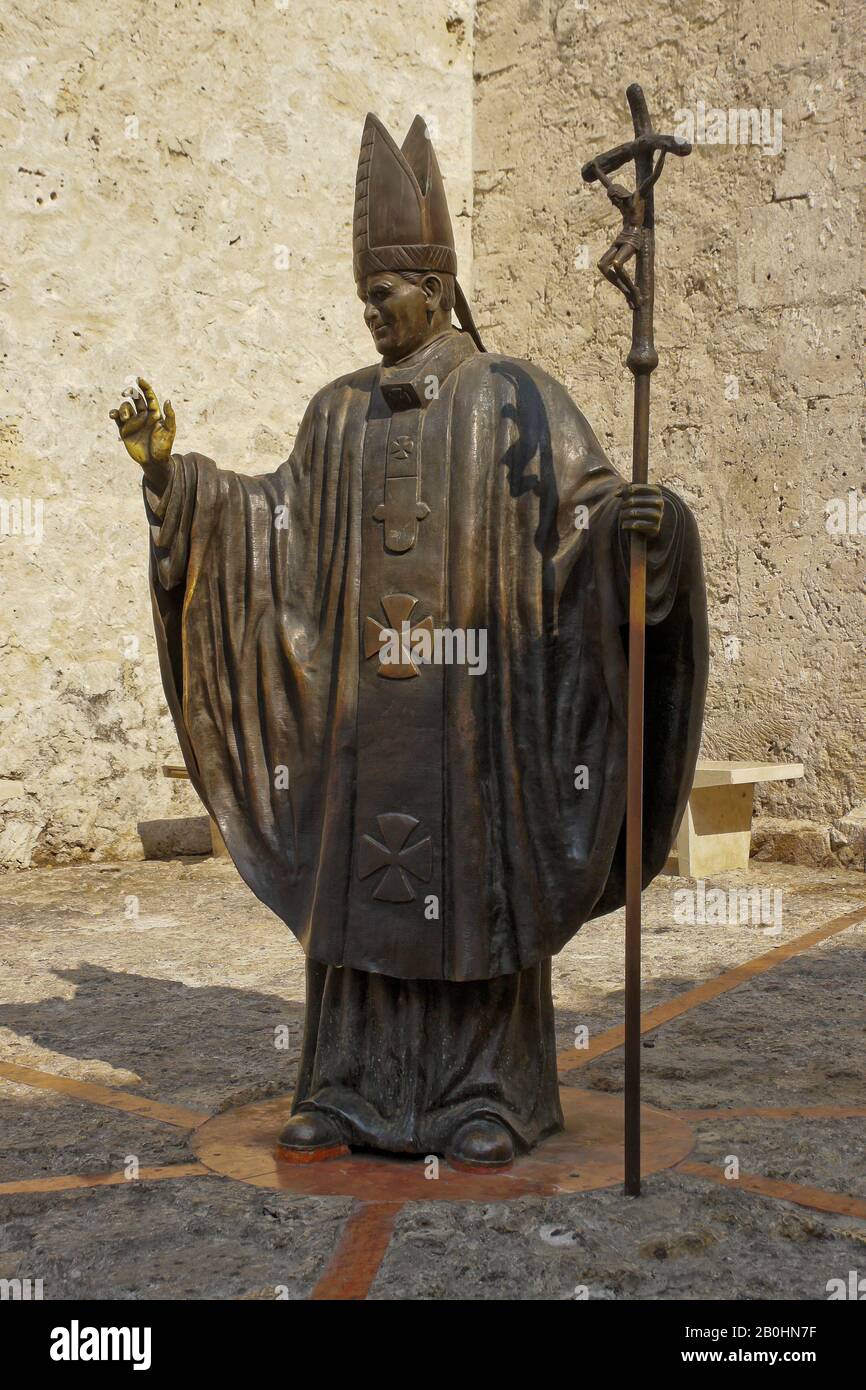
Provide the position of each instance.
(183, 1042)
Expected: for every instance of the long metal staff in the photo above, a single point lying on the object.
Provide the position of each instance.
(638, 238)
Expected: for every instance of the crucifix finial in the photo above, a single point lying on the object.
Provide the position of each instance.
(648, 150)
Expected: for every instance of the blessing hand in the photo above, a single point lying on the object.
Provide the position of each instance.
(147, 433)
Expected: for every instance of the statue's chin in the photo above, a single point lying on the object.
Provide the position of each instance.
(394, 353)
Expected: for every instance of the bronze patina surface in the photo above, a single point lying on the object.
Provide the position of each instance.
(397, 672)
(636, 238)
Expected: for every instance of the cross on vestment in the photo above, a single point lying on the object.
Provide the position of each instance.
(402, 508)
(396, 858)
(400, 645)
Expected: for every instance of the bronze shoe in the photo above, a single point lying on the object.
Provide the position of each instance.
(481, 1144)
(310, 1137)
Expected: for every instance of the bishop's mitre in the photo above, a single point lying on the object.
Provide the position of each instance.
(401, 220)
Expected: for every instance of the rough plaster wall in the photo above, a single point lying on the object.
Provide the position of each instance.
(754, 295)
(152, 248)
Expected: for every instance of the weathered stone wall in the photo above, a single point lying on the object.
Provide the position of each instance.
(757, 401)
(177, 201)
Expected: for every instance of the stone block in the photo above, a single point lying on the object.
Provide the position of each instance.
(792, 841)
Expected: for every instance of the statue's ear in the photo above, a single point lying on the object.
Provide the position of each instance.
(433, 291)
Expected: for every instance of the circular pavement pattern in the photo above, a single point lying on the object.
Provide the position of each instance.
(241, 1144)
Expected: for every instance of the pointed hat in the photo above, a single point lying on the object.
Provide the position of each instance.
(401, 213)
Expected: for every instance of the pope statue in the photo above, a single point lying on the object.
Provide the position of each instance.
(398, 674)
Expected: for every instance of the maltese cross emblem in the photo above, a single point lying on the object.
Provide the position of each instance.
(397, 857)
(393, 644)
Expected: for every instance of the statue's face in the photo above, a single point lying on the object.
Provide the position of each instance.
(398, 313)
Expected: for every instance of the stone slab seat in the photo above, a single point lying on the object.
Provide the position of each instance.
(716, 830)
(178, 771)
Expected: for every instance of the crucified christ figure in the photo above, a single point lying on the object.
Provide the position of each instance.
(632, 207)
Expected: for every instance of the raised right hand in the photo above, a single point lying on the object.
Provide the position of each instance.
(147, 434)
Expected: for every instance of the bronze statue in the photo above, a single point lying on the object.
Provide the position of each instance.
(397, 670)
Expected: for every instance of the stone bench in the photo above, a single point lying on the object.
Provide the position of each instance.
(716, 830)
(177, 770)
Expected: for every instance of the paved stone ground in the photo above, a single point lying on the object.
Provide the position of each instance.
(167, 980)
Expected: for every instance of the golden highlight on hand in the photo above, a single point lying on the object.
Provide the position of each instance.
(147, 433)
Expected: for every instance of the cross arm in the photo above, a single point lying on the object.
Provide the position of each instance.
(622, 154)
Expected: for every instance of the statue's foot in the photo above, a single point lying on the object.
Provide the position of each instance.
(481, 1145)
(310, 1137)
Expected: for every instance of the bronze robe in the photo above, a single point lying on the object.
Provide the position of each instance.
(425, 824)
